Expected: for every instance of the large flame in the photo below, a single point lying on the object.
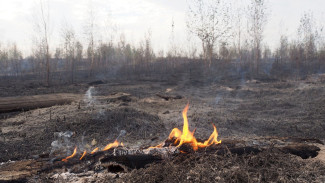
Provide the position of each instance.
(187, 137)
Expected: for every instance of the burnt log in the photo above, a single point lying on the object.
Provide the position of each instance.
(25, 103)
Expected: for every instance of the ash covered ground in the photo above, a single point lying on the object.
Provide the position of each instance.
(135, 112)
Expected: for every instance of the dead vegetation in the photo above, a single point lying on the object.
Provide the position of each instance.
(269, 166)
(241, 111)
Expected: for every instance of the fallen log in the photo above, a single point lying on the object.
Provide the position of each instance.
(25, 103)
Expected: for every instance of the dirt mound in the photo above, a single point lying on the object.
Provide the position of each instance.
(108, 123)
(103, 127)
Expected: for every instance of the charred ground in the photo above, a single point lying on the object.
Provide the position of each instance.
(240, 105)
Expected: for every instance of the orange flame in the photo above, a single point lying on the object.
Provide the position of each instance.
(83, 155)
(111, 145)
(175, 133)
(71, 156)
(157, 146)
(187, 137)
(107, 147)
(213, 139)
(95, 150)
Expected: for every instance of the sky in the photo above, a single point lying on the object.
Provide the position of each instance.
(134, 19)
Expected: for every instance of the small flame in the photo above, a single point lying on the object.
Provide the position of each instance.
(95, 150)
(83, 155)
(111, 145)
(107, 147)
(187, 137)
(71, 156)
(157, 146)
(213, 139)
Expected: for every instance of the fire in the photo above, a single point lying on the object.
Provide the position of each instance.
(187, 137)
(111, 145)
(107, 147)
(95, 150)
(83, 155)
(179, 137)
(71, 156)
(213, 139)
(157, 146)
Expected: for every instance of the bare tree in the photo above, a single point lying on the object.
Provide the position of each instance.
(210, 21)
(4, 61)
(37, 56)
(45, 18)
(238, 20)
(148, 54)
(224, 51)
(257, 20)
(15, 57)
(79, 51)
(172, 52)
(41, 50)
(283, 51)
(90, 33)
(308, 35)
(69, 51)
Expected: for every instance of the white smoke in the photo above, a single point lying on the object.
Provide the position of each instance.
(62, 142)
(88, 98)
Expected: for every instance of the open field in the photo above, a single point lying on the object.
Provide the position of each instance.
(147, 111)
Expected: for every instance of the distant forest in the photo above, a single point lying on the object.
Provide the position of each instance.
(231, 44)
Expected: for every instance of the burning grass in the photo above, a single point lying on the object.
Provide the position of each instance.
(82, 155)
(177, 137)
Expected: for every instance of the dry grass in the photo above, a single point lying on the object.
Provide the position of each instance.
(269, 166)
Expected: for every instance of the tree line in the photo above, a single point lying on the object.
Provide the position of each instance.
(228, 35)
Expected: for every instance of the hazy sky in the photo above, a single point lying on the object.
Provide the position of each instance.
(134, 18)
